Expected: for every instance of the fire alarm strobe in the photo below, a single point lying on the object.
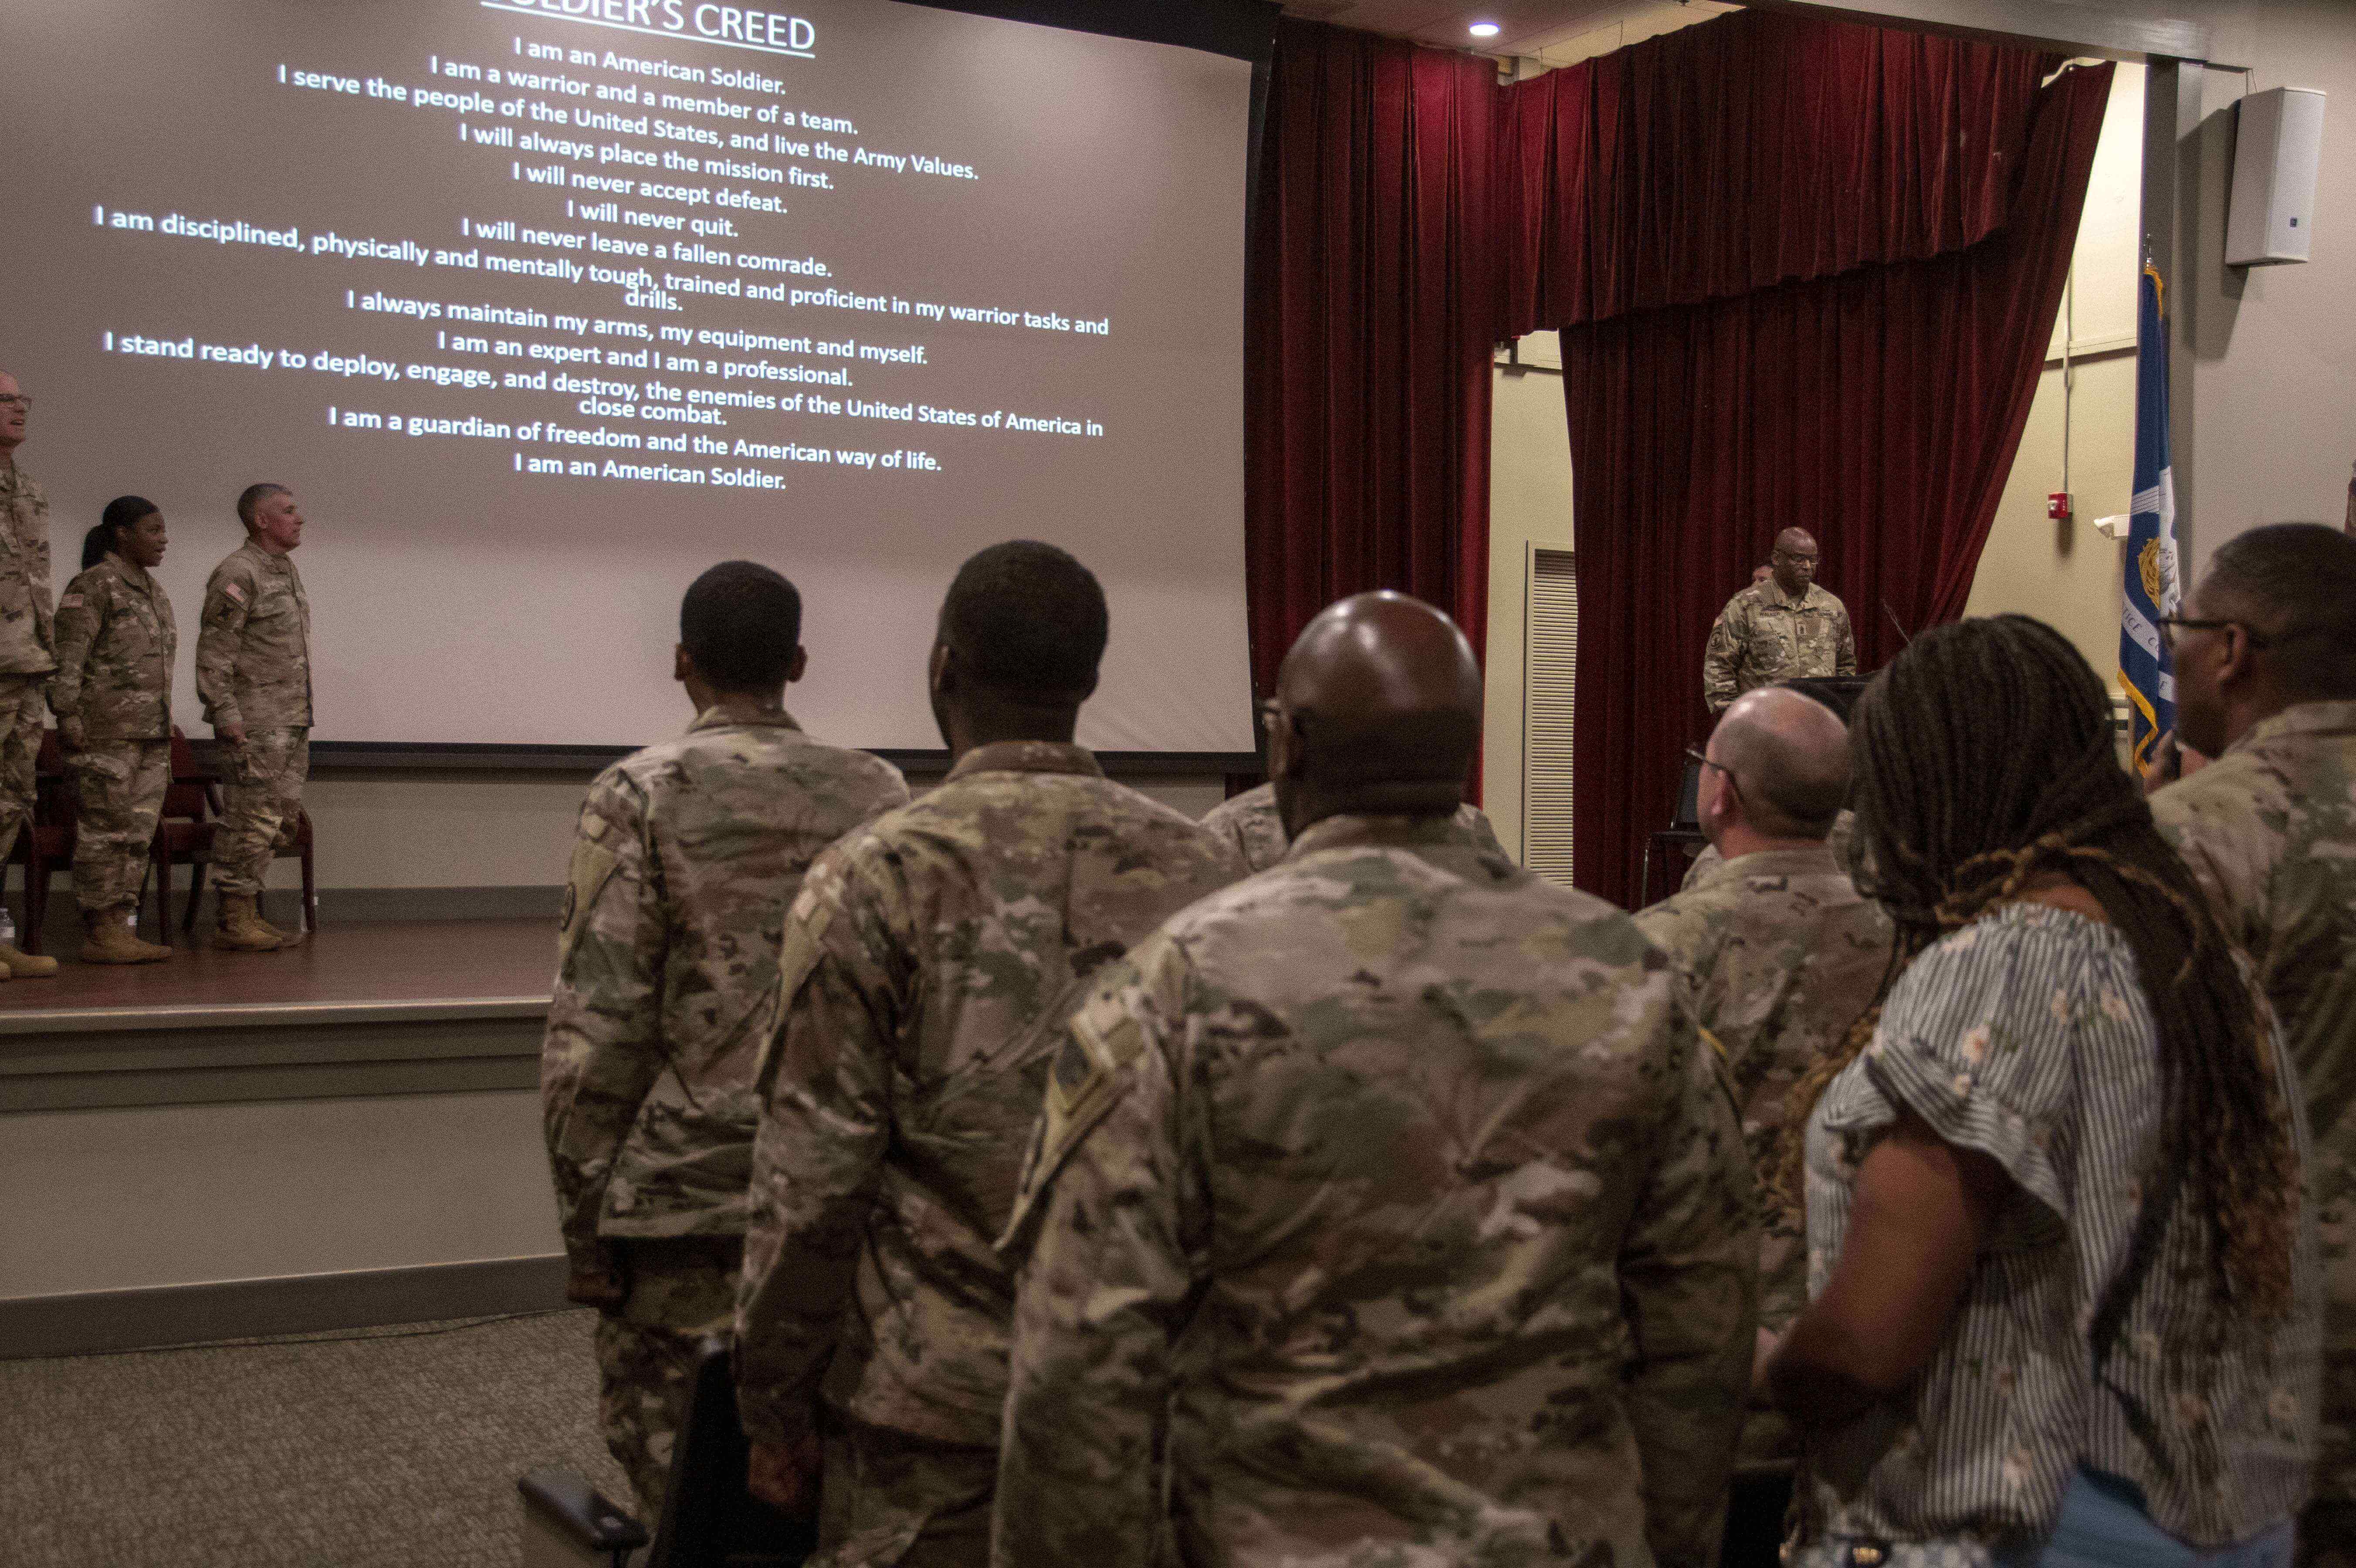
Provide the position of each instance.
(2057, 506)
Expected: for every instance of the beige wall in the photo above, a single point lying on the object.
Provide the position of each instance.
(2081, 431)
(2274, 416)
(1529, 507)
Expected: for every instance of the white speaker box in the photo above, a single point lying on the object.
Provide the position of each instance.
(2276, 149)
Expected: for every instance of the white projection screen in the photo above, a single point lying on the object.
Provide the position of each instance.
(542, 306)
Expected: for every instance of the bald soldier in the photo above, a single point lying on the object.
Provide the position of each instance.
(1387, 1209)
(1786, 628)
(928, 967)
(2265, 683)
(1253, 824)
(1777, 953)
(688, 854)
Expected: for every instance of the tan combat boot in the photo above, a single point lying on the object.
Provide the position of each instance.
(107, 938)
(24, 966)
(285, 938)
(241, 929)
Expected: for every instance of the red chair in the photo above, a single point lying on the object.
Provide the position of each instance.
(48, 841)
(184, 836)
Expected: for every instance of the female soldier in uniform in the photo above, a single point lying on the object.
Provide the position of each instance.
(113, 697)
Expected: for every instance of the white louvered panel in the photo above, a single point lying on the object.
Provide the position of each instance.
(1551, 661)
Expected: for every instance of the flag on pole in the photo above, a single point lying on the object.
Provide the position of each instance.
(2149, 561)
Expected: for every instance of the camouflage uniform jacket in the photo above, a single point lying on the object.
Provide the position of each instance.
(1398, 1178)
(1250, 823)
(688, 854)
(2269, 828)
(115, 647)
(1777, 955)
(1762, 637)
(253, 648)
(927, 966)
(27, 637)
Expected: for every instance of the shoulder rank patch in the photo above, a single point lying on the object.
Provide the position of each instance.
(1090, 1073)
(71, 602)
(592, 867)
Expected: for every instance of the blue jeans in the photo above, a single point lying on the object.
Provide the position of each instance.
(2104, 1525)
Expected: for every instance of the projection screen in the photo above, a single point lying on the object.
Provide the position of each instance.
(542, 306)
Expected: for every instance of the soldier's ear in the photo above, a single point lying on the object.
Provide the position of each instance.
(682, 668)
(798, 665)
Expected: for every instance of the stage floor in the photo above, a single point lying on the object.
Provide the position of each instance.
(381, 963)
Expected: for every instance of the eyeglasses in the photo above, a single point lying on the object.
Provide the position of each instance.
(2170, 625)
(1731, 781)
(15, 400)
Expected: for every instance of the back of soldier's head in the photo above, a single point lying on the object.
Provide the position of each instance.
(1028, 621)
(2294, 584)
(1789, 754)
(1384, 695)
(741, 625)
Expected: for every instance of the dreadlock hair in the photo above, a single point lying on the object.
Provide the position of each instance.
(1986, 760)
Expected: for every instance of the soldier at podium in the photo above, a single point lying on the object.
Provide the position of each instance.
(1783, 628)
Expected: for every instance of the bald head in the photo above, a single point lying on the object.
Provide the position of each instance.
(1789, 758)
(1379, 710)
(1794, 560)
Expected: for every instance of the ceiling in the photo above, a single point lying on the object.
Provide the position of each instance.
(1527, 28)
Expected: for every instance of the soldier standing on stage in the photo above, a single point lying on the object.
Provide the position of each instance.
(688, 854)
(27, 644)
(113, 697)
(1251, 823)
(253, 673)
(1387, 1207)
(926, 970)
(1786, 628)
(2265, 683)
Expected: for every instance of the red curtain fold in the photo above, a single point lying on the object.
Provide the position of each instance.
(1371, 319)
(1756, 149)
(1880, 409)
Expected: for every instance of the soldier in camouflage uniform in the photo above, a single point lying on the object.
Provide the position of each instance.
(1387, 1209)
(927, 966)
(2266, 682)
(1251, 823)
(113, 697)
(688, 854)
(1777, 953)
(27, 644)
(253, 673)
(1786, 628)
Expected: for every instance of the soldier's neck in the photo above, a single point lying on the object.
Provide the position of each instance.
(1735, 841)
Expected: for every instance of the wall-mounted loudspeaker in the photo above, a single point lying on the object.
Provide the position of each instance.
(2276, 148)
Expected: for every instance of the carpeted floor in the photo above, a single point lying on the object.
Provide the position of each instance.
(385, 1449)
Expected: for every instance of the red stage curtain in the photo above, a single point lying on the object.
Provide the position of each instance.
(1757, 149)
(1371, 315)
(1881, 409)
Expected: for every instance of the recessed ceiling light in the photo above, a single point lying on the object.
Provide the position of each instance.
(1484, 29)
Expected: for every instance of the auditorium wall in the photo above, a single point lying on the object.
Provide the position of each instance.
(2275, 348)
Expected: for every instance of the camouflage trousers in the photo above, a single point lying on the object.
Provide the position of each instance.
(680, 1289)
(892, 1501)
(22, 720)
(258, 807)
(2327, 1535)
(122, 786)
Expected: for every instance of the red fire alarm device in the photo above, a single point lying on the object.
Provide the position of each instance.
(2057, 506)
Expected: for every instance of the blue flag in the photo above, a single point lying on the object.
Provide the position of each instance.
(2149, 561)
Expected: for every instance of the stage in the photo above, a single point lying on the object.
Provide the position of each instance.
(363, 1009)
(340, 1134)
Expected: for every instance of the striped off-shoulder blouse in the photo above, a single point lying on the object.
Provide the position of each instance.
(2028, 1036)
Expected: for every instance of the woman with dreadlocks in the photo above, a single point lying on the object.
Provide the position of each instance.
(2065, 1300)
